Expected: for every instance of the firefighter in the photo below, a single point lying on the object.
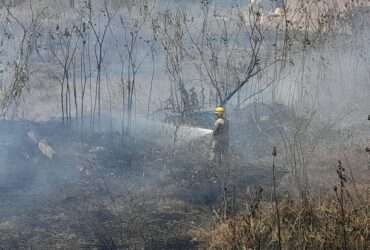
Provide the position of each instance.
(220, 138)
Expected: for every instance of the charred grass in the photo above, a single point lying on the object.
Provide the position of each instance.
(141, 196)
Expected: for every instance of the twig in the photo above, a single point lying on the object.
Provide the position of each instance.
(274, 154)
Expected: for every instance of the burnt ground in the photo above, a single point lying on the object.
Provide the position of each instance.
(102, 190)
(105, 191)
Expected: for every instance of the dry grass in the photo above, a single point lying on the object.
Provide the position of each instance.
(339, 219)
(311, 224)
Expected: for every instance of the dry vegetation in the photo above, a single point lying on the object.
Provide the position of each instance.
(336, 218)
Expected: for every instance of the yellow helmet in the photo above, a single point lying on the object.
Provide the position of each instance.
(219, 110)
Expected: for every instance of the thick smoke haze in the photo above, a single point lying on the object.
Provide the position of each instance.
(108, 111)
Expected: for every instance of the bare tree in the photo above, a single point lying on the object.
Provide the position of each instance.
(137, 48)
(169, 29)
(26, 47)
(223, 48)
(100, 36)
(63, 46)
(84, 37)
